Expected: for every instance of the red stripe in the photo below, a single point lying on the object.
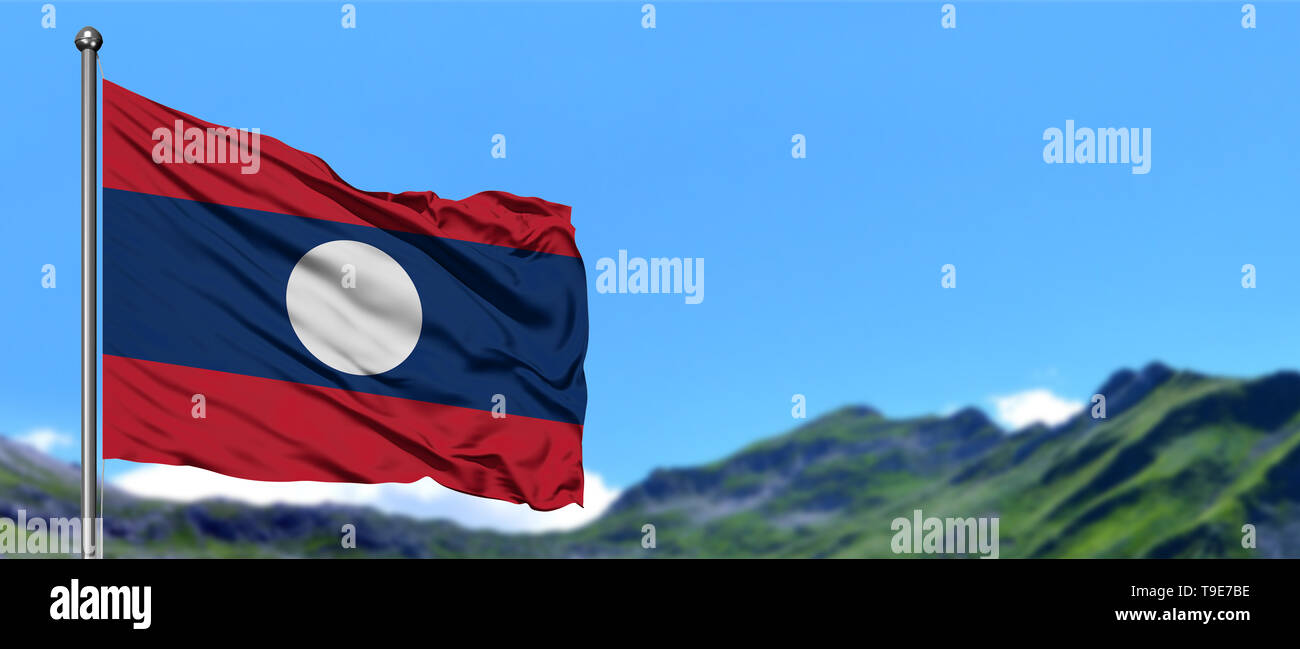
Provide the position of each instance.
(289, 181)
(264, 429)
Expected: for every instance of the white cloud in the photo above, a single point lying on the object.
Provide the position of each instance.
(422, 499)
(1034, 406)
(44, 439)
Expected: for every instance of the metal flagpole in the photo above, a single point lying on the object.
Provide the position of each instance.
(88, 42)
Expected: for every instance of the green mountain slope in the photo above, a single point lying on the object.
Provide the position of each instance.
(1181, 462)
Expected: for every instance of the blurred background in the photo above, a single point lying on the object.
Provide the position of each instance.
(923, 146)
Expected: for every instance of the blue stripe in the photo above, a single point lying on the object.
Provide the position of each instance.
(203, 285)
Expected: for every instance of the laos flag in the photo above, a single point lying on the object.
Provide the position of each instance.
(265, 320)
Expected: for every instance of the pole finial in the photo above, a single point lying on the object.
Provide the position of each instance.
(88, 38)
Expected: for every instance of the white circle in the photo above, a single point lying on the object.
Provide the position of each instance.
(353, 307)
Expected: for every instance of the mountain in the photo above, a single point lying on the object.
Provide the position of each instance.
(1176, 468)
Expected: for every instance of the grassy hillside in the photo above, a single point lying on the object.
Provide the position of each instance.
(1176, 468)
(1181, 462)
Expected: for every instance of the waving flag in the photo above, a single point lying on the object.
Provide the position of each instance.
(266, 320)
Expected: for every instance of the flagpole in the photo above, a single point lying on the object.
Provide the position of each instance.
(88, 42)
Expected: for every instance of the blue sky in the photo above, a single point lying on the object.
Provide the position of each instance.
(924, 148)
